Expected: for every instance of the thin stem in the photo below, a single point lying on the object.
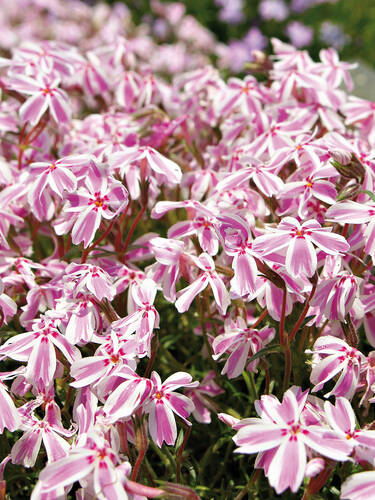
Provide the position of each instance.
(260, 319)
(138, 464)
(288, 367)
(179, 454)
(282, 333)
(154, 351)
(86, 252)
(205, 337)
(132, 228)
(304, 312)
(255, 475)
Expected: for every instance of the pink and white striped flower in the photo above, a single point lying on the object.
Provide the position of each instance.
(49, 430)
(283, 440)
(154, 160)
(89, 278)
(144, 319)
(99, 196)
(351, 212)
(208, 277)
(241, 342)
(37, 348)
(129, 395)
(164, 402)
(45, 95)
(332, 356)
(294, 242)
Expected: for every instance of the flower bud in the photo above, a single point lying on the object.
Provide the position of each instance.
(175, 491)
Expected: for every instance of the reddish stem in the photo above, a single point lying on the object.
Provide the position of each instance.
(282, 333)
(86, 252)
(132, 228)
(260, 319)
(137, 464)
(304, 312)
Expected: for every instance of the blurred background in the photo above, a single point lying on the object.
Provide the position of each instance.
(245, 25)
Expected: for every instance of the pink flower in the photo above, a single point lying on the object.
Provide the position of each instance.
(156, 161)
(9, 416)
(164, 401)
(49, 430)
(208, 277)
(332, 356)
(95, 463)
(341, 418)
(55, 175)
(128, 395)
(37, 348)
(45, 95)
(284, 440)
(351, 212)
(108, 360)
(237, 241)
(241, 342)
(334, 297)
(295, 241)
(99, 197)
(166, 271)
(144, 319)
(202, 403)
(359, 486)
(89, 278)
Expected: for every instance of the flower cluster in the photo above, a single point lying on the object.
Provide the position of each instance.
(187, 233)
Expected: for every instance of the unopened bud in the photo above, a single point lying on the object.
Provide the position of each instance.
(342, 157)
(349, 192)
(140, 435)
(175, 491)
(348, 167)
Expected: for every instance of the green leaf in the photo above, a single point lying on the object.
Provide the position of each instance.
(266, 350)
(369, 193)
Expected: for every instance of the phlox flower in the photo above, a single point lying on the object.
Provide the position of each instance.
(284, 441)
(312, 186)
(335, 296)
(89, 278)
(9, 416)
(45, 95)
(262, 175)
(99, 196)
(199, 396)
(351, 212)
(144, 319)
(241, 342)
(332, 356)
(295, 241)
(57, 176)
(359, 486)
(236, 238)
(155, 160)
(341, 417)
(129, 395)
(93, 463)
(49, 430)
(201, 222)
(37, 348)
(80, 314)
(169, 255)
(107, 361)
(208, 277)
(334, 70)
(164, 402)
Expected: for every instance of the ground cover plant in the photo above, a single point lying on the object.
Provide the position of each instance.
(187, 285)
